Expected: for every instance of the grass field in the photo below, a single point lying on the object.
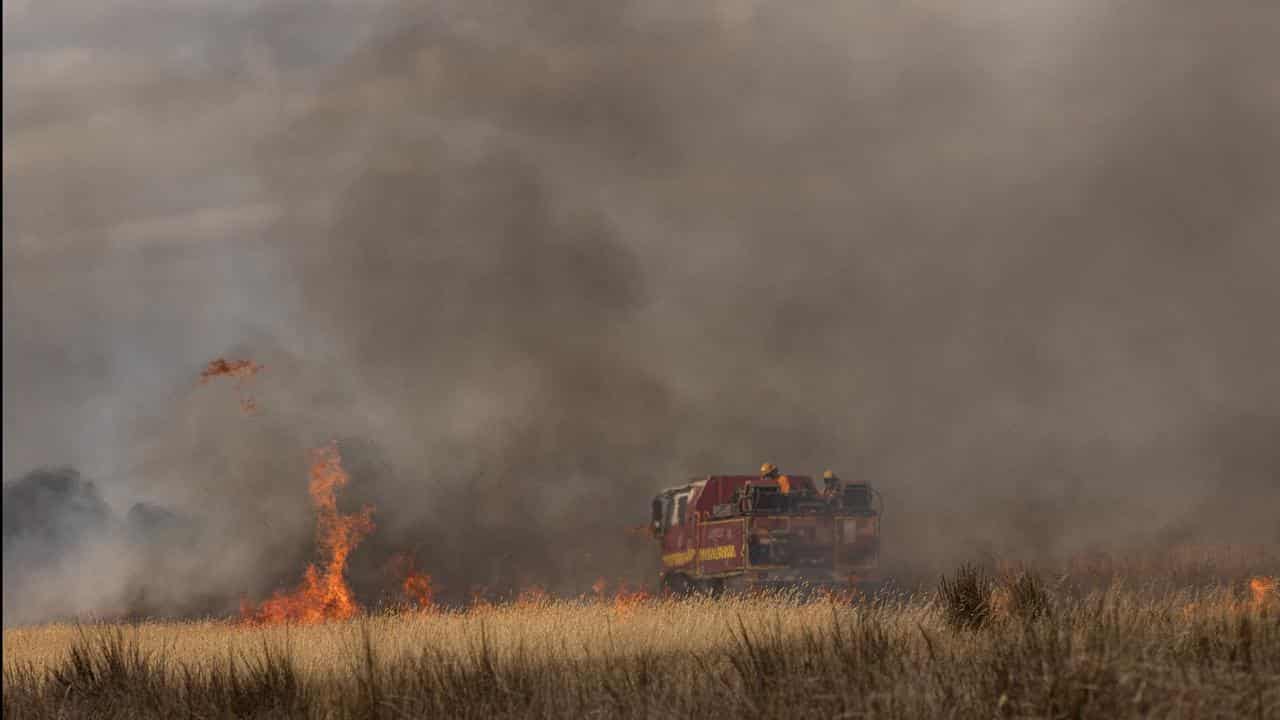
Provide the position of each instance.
(1017, 649)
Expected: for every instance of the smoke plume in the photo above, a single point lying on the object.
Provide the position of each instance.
(530, 263)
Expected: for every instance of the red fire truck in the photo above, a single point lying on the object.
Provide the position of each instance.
(737, 532)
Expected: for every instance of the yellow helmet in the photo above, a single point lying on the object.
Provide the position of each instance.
(828, 475)
(768, 469)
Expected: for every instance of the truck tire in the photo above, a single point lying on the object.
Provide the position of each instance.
(713, 588)
(676, 585)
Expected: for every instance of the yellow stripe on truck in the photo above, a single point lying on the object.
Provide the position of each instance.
(684, 557)
(720, 552)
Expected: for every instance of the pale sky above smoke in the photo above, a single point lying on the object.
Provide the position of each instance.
(1017, 262)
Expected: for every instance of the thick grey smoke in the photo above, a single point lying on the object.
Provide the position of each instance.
(52, 512)
(66, 554)
(1019, 266)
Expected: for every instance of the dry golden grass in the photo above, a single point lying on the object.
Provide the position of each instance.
(577, 629)
(1118, 653)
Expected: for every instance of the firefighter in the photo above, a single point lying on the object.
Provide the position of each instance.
(830, 486)
(769, 471)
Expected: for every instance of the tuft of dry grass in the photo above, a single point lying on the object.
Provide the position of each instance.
(966, 596)
(1113, 653)
(1025, 596)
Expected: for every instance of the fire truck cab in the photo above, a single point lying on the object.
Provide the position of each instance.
(737, 532)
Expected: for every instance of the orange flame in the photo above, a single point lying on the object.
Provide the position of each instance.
(533, 596)
(222, 367)
(626, 600)
(1263, 588)
(241, 370)
(480, 603)
(414, 585)
(418, 587)
(323, 594)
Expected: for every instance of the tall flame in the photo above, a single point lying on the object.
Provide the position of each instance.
(323, 594)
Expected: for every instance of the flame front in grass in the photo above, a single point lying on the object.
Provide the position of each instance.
(480, 603)
(624, 600)
(323, 594)
(1263, 589)
(533, 596)
(415, 586)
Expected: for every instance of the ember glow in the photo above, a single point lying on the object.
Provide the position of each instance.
(223, 367)
(624, 600)
(415, 586)
(324, 593)
(241, 370)
(533, 596)
(1263, 589)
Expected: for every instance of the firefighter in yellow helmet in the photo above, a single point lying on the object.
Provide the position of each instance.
(769, 471)
(830, 486)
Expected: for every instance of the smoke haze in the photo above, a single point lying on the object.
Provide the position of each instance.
(530, 263)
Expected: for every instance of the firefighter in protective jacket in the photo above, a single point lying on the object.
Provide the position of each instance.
(769, 471)
(830, 486)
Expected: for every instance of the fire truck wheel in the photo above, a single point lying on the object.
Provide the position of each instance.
(675, 585)
(712, 588)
